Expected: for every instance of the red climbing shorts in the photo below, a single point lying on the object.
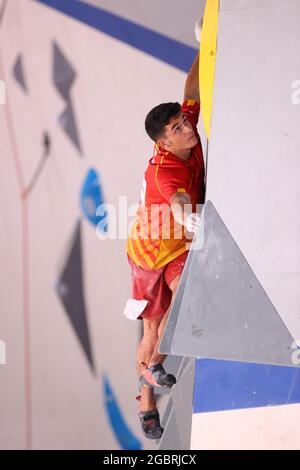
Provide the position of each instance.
(154, 286)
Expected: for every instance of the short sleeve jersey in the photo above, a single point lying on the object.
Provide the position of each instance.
(156, 238)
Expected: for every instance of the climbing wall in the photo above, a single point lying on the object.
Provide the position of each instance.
(253, 183)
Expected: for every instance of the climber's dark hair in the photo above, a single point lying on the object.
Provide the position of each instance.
(159, 117)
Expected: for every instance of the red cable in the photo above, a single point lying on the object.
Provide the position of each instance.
(25, 270)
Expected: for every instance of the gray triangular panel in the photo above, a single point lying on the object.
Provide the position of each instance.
(224, 313)
(177, 418)
(70, 291)
(182, 396)
(63, 73)
(18, 72)
(185, 364)
(170, 439)
(173, 364)
(67, 122)
(168, 410)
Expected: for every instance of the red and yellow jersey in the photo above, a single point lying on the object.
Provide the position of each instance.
(156, 238)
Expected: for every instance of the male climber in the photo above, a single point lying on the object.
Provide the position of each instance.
(161, 233)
